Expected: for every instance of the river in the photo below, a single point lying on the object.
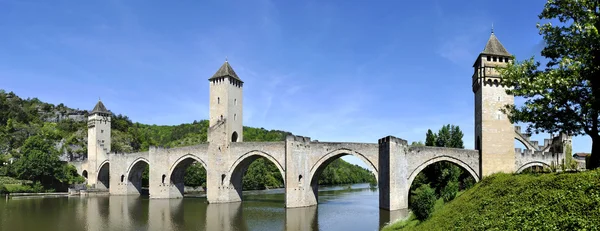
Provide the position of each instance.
(351, 207)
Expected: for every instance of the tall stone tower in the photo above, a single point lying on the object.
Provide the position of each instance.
(494, 133)
(226, 104)
(99, 139)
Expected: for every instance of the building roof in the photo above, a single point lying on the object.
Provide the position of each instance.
(581, 154)
(225, 71)
(99, 108)
(494, 47)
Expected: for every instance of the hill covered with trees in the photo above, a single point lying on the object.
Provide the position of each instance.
(58, 133)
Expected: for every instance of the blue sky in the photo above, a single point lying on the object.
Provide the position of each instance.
(351, 70)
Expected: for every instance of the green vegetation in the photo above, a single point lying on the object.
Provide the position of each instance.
(33, 135)
(422, 201)
(444, 177)
(552, 201)
(564, 96)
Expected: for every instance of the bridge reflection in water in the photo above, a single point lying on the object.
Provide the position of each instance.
(340, 209)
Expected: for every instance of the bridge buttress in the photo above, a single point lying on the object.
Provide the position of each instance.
(393, 176)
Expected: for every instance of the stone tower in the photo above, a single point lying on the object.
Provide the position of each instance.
(98, 139)
(226, 104)
(494, 133)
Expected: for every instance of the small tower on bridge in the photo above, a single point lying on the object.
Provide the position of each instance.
(226, 104)
(493, 130)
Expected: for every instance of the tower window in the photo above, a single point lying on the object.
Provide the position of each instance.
(102, 141)
(234, 116)
(221, 117)
(498, 98)
(499, 115)
(101, 131)
(234, 101)
(218, 100)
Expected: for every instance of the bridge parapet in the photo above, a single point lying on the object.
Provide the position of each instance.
(527, 158)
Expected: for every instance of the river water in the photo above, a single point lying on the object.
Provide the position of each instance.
(352, 207)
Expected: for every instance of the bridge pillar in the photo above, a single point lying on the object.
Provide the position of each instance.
(159, 184)
(393, 176)
(298, 189)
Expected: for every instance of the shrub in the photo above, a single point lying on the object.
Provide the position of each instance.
(3, 189)
(422, 201)
(449, 191)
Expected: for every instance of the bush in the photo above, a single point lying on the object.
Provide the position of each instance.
(449, 191)
(422, 201)
(3, 189)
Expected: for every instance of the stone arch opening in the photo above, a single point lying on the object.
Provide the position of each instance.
(534, 165)
(189, 165)
(85, 174)
(255, 159)
(104, 176)
(234, 137)
(369, 176)
(442, 173)
(136, 182)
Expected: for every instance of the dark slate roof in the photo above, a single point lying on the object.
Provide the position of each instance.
(225, 71)
(99, 108)
(494, 47)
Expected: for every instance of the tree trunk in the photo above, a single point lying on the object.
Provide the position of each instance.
(595, 156)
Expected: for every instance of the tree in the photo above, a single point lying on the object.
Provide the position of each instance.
(565, 96)
(422, 202)
(430, 138)
(39, 160)
(417, 143)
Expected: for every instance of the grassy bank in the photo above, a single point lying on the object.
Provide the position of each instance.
(553, 201)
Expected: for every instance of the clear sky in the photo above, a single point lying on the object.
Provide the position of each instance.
(347, 70)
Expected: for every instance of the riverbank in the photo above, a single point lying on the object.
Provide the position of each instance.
(551, 201)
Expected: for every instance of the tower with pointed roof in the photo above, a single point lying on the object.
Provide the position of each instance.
(226, 104)
(99, 139)
(493, 129)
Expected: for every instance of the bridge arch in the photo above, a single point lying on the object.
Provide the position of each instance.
(450, 159)
(326, 159)
(519, 137)
(177, 172)
(134, 175)
(103, 178)
(241, 164)
(532, 164)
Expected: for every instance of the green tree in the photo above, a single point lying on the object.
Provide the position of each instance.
(38, 161)
(422, 201)
(417, 143)
(565, 96)
(430, 138)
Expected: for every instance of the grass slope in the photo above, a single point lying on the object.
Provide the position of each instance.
(557, 201)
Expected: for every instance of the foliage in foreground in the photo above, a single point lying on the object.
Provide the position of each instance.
(565, 96)
(422, 201)
(553, 201)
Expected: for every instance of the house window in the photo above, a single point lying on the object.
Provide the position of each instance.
(498, 98)
(489, 58)
(506, 60)
(494, 59)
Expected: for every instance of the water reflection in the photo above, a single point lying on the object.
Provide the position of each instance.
(339, 209)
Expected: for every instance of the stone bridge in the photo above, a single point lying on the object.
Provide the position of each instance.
(226, 157)
(300, 161)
